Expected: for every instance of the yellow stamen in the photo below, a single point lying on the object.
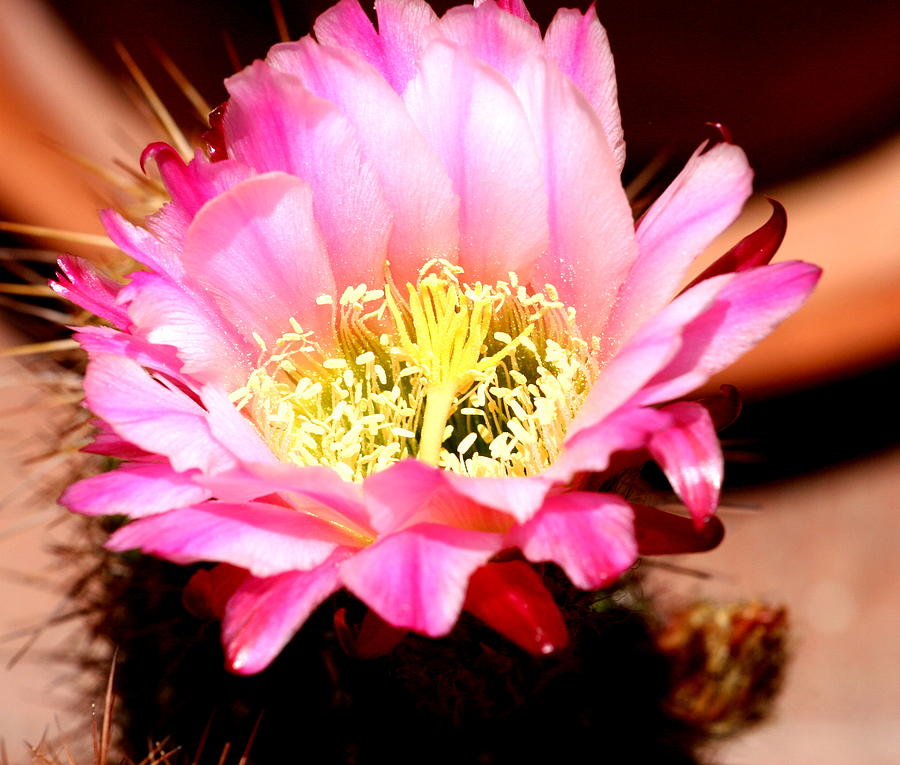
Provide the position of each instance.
(478, 379)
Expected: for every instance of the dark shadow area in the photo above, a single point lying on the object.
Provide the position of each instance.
(801, 84)
(813, 428)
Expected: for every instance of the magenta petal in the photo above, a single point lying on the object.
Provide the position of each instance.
(690, 456)
(417, 578)
(590, 535)
(578, 45)
(265, 539)
(511, 599)
(274, 123)
(755, 249)
(135, 491)
(473, 120)
(662, 533)
(699, 204)
(265, 613)
(81, 283)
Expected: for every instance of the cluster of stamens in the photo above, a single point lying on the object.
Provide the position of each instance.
(479, 379)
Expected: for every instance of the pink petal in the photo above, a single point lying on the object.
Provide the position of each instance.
(515, 7)
(662, 533)
(337, 500)
(81, 283)
(135, 491)
(625, 377)
(417, 578)
(590, 535)
(274, 123)
(152, 416)
(517, 497)
(228, 426)
(495, 36)
(108, 444)
(190, 185)
(690, 456)
(470, 116)
(141, 245)
(209, 347)
(413, 492)
(262, 538)
(590, 450)
(404, 26)
(105, 340)
(394, 49)
(699, 204)
(592, 242)
(746, 308)
(510, 598)
(265, 613)
(578, 45)
(257, 248)
(416, 187)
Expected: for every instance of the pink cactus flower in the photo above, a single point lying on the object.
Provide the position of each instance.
(391, 326)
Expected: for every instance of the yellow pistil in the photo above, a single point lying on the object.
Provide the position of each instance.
(450, 324)
(478, 379)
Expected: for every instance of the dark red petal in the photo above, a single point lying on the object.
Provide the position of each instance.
(158, 151)
(662, 533)
(511, 599)
(724, 407)
(208, 590)
(755, 249)
(214, 138)
(724, 131)
(374, 638)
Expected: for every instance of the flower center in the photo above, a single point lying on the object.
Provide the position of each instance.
(479, 379)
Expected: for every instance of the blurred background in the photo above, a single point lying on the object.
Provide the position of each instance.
(811, 90)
